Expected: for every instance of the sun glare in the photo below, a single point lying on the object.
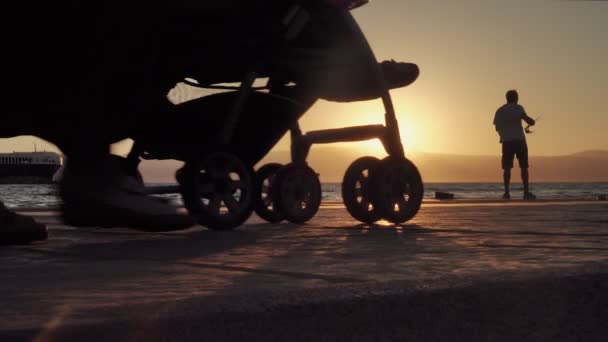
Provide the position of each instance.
(408, 129)
(373, 147)
(410, 137)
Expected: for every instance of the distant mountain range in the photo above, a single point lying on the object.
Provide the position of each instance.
(331, 162)
(588, 166)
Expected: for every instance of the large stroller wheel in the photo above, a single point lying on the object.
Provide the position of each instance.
(297, 192)
(264, 204)
(356, 189)
(397, 189)
(218, 190)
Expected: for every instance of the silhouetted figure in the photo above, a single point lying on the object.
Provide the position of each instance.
(507, 121)
(83, 77)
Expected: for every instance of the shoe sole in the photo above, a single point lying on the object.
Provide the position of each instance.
(111, 217)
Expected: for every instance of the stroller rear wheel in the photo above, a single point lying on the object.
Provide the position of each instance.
(297, 192)
(356, 189)
(397, 189)
(218, 190)
(264, 204)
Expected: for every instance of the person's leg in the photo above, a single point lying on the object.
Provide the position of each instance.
(98, 191)
(522, 158)
(82, 113)
(507, 181)
(507, 165)
(16, 229)
(95, 188)
(525, 178)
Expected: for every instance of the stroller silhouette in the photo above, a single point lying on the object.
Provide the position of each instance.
(310, 50)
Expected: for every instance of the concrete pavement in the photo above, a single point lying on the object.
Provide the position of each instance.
(461, 271)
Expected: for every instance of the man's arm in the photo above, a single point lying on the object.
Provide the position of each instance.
(528, 119)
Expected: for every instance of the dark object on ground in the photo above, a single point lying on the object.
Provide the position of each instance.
(17, 229)
(603, 197)
(443, 195)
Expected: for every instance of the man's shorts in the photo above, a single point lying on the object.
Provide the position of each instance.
(511, 149)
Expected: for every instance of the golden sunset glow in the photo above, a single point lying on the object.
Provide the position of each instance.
(470, 53)
(372, 147)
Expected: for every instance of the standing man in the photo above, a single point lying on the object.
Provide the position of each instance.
(508, 125)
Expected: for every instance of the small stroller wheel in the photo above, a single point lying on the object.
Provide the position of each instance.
(297, 192)
(264, 205)
(218, 190)
(397, 189)
(356, 189)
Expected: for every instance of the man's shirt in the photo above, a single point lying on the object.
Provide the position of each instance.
(508, 122)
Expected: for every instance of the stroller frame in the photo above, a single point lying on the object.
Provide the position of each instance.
(372, 189)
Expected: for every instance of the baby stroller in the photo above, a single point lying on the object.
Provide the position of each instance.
(308, 52)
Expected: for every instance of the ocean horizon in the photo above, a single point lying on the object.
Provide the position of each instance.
(42, 196)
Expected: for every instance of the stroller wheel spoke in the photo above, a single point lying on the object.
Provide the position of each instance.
(296, 206)
(205, 189)
(231, 203)
(358, 192)
(366, 205)
(402, 203)
(267, 202)
(214, 205)
(307, 197)
(238, 184)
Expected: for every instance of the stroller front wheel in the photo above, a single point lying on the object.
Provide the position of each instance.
(397, 189)
(218, 190)
(296, 192)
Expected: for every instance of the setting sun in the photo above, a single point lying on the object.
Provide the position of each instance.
(409, 139)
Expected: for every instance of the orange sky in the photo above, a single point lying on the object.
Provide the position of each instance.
(470, 53)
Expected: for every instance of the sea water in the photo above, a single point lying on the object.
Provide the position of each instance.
(45, 196)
